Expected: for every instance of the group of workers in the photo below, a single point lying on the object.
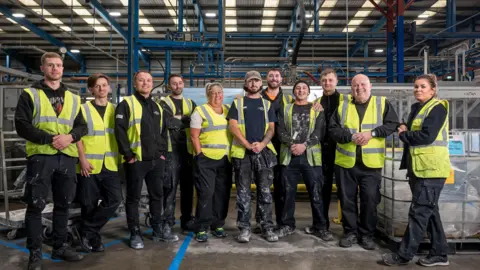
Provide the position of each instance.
(265, 137)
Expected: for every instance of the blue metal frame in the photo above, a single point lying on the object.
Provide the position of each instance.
(180, 16)
(400, 41)
(133, 34)
(380, 23)
(316, 19)
(41, 33)
(389, 57)
(451, 16)
(291, 28)
(198, 12)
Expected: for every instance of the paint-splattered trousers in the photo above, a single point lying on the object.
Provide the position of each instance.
(104, 186)
(258, 169)
(424, 216)
(45, 173)
(297, 169)
(213, 184)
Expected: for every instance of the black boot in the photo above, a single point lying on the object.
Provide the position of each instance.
(85, 244)
(97, 245)
(157, 233)
(35, 261)
(66, 253)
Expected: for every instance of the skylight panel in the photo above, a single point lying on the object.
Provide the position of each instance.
(267, 23)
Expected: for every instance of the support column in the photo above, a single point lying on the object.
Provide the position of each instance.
(451, 15)
(390, 43)
(168, 65)
(133, 35)
(400, 41)
(365, 55)
(180, 16)
(316, 19)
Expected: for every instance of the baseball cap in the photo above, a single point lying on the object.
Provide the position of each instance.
(253, 74)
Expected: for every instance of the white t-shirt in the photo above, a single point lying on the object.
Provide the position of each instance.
(196, 120)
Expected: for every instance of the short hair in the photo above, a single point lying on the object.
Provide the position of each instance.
(92, 80)
(173, 76)
(209, 87)
(274, 70)
(431, 79)
(50, 55)
(139, 72)
(299, 82)
(328, 71)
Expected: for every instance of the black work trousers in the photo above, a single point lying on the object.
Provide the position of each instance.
(45, 173)
(297, 169)
(350, 182)
(253, 169)
(178, 170)
(153, 172)
(424, 216)
(328, 167)
(213, 185)
(104, 186)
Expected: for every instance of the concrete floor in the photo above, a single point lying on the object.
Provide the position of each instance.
(298, 251)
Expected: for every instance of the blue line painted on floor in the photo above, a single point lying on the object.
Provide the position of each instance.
(181, 252)
(20, 240)
(25, 250)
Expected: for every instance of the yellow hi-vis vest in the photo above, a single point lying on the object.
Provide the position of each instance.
(287, 99)
(373, 154)
(134, 122)
(238, 150)
(45, 118)
(100, 144)
(314, 154)
(214, 136)
(432, 160)
(187, 109)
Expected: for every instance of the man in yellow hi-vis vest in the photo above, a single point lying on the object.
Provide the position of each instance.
(180, 155)
(360, 126)
(48, 116)
(142, 140)
(252, 123)
(98, 167)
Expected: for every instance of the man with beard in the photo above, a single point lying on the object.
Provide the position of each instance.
(253, 152)
(48, 116)
(179, 161)
(360, 126)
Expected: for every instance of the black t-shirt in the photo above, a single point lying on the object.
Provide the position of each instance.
(178, 106)
(254, 118)
(100, 109)
(300, 122)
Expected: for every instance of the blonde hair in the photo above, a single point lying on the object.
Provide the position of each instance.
(209, 87)
(50, 55)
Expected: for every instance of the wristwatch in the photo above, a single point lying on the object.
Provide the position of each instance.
(374, 134)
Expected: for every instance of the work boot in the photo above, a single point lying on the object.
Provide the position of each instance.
(35, 261)
(85, 244)
(367, 243)
(97, 245)
(244, 236)
(136, 239)
(168, 236)
(66, 253)
(284, 231)
(157, 233)
(219, 233)
(201, 236)
(392, 259)
(188, 226)
(434, 261)
(348, 240)
(325, 235)
(269, 235)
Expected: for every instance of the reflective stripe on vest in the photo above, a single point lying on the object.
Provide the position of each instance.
(45, 118)
(373, 154)
(214, 136)
(432, 160)
(187, 107)
(314, 153)
(237, 149)
(99, 144)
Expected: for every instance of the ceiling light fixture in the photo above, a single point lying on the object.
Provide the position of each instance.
(115, 14)
(74, 51)
(18, 15)
(210, 15)
(423, 16)
(378, 50)
(308, 15)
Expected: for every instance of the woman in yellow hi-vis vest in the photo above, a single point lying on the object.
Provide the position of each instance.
(301, 130)
(142, 140)
(48, 116)
(426, 158)
(360, 126)
(211, 143)
(97, 171)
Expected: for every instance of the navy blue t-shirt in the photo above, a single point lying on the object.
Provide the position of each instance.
(254, 118)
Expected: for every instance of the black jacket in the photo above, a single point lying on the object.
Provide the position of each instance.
(154, 143)
(342, 135)
(277, 105)
(177, 126)
(24, 116)
(330, 105)
(431, 125)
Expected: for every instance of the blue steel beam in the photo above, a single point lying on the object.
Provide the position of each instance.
(133, 35)
(115, 25)
(400, 41)
(380, 23)
(39, 32)
(291, 28)
(339, 35)
(198, 13)
(451, 16)
(316, 22)
(180, 16)
(155, 44)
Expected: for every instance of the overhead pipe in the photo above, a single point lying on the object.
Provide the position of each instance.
(425, 50)
(303, 29)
